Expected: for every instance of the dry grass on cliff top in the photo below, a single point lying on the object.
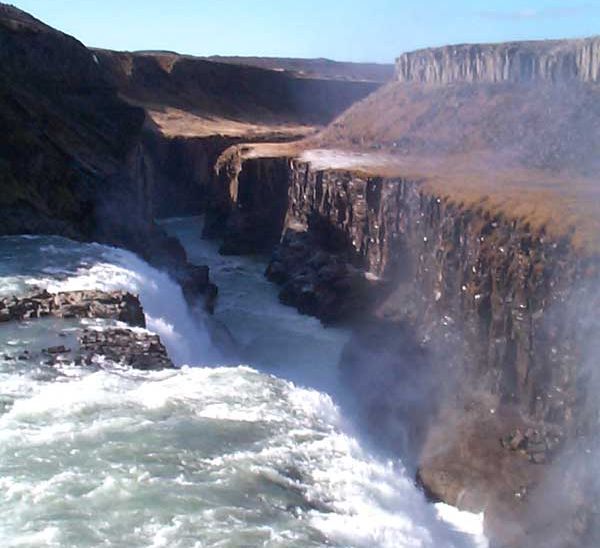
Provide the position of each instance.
(562, 203)
(529, 152)
(174, 122)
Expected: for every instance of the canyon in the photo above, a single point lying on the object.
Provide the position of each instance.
(444, 216)
(93, 139)
(454, 261)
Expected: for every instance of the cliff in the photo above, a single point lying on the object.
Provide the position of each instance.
(72, 156)
(482, 128)
(196, 108)
(230, 93)
(550, 60)
(435, 290)
(452, 218)
(497, 277)
(98, 143)
(65, 131)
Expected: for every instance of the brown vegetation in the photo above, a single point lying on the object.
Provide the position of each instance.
(523, 150)
(196, 97)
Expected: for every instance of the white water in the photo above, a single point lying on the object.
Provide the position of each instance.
(202, 456)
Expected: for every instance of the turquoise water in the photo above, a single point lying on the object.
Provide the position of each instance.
(213, 454)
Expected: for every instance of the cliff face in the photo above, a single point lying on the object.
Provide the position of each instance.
(556, 61)
(72, 158)
(65, 131)
(505, 286)
(229, 91)
(183, 172)
(437, 291)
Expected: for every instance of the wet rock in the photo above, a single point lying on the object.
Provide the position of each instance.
(210, 297)
(539, 444)
(317, 282)
(61, 349)
(139, 350)
(115, 305)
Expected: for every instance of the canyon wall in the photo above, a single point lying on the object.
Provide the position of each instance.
(468, 333)
(229, 91)
(438, 264)
(559, 60)
(183, 170)
(73, 160)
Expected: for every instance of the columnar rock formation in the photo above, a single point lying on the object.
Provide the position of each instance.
(475, 243)
(492, 303)
(556, 61)
(495, 306)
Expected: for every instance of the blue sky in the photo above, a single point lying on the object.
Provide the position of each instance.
(354, 30)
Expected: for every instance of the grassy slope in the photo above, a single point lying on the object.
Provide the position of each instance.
(195, 96)
(522, 150)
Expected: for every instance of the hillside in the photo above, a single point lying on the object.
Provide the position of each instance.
(503, 128)
(65, 132)
(193, 96)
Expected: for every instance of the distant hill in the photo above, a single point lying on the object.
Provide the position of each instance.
(317, 68)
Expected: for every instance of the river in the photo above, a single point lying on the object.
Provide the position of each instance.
(214, 454)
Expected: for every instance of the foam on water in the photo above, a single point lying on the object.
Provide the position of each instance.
(201, 456)
(69, 266)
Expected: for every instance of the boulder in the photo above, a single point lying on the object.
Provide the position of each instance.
(140, 350)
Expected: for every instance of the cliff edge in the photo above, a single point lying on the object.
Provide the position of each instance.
(548, 60)
(454, 224)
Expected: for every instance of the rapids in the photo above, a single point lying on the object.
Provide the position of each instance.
(212, 454)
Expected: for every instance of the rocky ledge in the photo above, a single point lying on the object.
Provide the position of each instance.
(139, 350)
(114, 305)
(129, 346)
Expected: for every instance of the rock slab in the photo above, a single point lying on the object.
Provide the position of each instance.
(113, 305)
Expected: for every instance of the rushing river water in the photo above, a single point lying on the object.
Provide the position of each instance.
(212, 454)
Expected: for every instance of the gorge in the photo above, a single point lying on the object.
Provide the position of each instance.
(441, 225)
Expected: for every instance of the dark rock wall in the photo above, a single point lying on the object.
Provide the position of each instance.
(506, 293)
(470, 355)
(184, 172)
(75, 159)
(508, 290)
(65, 132)
(260, 202)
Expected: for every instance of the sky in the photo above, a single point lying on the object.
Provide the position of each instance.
(345, 30)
